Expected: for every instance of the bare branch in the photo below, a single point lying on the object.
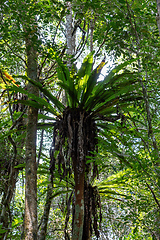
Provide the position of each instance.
(153, 194)
(83, 44)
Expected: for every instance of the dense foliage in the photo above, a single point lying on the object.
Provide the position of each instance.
(96, 119)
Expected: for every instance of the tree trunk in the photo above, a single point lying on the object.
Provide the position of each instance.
(87, 213)
(91, 33)
(70, 36)
(158, 15)
(45, 217)
(11, 174)
(5, 218)
(78, 158)
(79, 205)
(30, 224)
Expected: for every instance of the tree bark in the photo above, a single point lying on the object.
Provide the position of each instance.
(45, 217)
(69, 30)
(30, 223)
(91, 33)
(70, 36)
(78, 158)
(79, 205)
(5, 218)
(158, 15)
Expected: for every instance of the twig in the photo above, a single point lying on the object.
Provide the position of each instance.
(18, 119)
(83, 44)
(154, 196)
(83, 38)
(40, 149)
(15, 53)
(41, 67)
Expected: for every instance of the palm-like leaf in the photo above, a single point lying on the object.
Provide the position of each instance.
(38, 102)
(83, 74)
(91, 83)
(52, 98)
(116, 186)
(85, 92)
(98, 97)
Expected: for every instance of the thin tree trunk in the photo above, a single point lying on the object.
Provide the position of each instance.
(91, 33)
(78, 159)
(158, 15)
(70, 36)
(30, 224)
(45, 217)
(5, 217)
(12, 174)
(42, 228)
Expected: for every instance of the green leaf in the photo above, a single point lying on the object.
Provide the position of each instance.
(37, 103)
(20, 165)
(59, 193)
(70, 94)
(2, 230)
(83, 74)
(42, 116)
(86, 66)
(42, 172)
(67, 82)
(90, 84)
(45, 125)
(43, 89)
(109, 78)
(53, 99)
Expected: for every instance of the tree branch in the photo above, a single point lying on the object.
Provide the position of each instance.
(15, 53)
